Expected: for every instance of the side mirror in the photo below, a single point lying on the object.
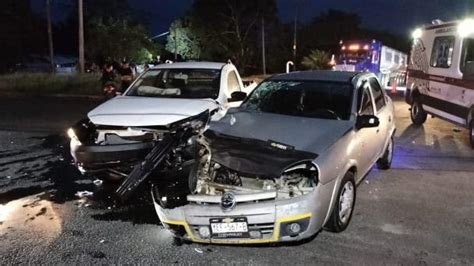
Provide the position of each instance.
(366, 121)
(237, 96)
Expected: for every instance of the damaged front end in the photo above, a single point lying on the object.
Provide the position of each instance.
(244, 191)
(252, 166)
(134, 153)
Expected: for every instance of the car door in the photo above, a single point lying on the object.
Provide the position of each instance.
(367, 137)
(233, 85)
(383, 112)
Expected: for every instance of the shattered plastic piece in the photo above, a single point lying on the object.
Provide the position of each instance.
(97, 182)
(102, 241)
(198, 250)
(367, 181)
(85, 193)
(9, 177)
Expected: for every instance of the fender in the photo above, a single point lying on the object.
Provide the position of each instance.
(351, 166)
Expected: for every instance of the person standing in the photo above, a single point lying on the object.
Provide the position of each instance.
(108, 74)
(126, 75)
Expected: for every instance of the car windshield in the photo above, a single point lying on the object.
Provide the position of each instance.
(354, 56)
(316, 99)
(177, 83)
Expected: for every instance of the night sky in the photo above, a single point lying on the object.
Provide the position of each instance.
(397, 16)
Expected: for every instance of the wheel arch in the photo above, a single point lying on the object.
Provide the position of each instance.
(351, 167)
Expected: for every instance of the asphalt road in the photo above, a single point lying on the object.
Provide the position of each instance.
(419, 212)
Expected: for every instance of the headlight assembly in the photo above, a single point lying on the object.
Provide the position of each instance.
(83, 131)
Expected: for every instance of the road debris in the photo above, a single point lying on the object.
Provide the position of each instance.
(98, 182)
(83, 194)
(198, 250)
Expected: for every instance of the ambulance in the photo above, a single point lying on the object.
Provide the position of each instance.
(441, 74)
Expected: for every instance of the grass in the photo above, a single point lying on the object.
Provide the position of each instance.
(47, 84)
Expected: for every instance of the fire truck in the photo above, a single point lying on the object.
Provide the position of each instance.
(388, 64)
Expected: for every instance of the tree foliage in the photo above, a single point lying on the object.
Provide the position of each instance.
(184, 40)
(229, 29)
(117, 39)
(316, 59)
(21, 31)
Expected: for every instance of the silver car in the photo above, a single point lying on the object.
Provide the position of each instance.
(286, 163)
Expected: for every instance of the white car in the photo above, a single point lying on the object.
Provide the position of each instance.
(119, 133)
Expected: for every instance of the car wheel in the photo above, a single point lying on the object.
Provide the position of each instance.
(417, 114)
(344, 205)
(386, 160)
(471, 133)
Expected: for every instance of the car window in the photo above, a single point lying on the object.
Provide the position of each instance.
(316, 99)
(365, 104)
(378, 93)
(442, 53)
(232, 83)
(467, 61)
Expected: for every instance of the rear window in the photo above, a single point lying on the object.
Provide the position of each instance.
(442, 53)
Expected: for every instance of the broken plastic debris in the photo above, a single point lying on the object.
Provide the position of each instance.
(98, 182)
(85, 193)
(102, 241)
(367, 181)
(9, 177)
(198, 250)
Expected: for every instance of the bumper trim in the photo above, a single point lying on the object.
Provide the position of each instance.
(275, 237)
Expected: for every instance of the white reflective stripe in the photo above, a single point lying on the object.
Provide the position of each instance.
(444, 114)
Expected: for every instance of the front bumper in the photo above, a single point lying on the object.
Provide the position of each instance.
(96, 158)
(270, 218)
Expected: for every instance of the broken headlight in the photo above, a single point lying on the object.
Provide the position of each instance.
(82, 132)
(298, 180)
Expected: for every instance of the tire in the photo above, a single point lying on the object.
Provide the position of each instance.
(338, 222)
(471, 133)
(417, 114)
(385, 161)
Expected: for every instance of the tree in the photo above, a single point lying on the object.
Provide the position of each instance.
(183, 40)
(22, 31)
(228, 29)
(117, 39)
(316, 59)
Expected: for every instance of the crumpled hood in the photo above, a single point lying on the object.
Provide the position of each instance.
(132, 111)
(304, 134)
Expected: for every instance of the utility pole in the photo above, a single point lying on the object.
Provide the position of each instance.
(294, 35)
(50, 35)
(81, 36)
(263, 47)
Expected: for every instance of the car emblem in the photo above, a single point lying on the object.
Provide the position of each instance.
(227, 220)
(228, 201)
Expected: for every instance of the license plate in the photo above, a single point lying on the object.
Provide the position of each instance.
(229, 227)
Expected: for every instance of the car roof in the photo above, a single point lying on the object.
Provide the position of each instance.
(194, 65)
(320, 75)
